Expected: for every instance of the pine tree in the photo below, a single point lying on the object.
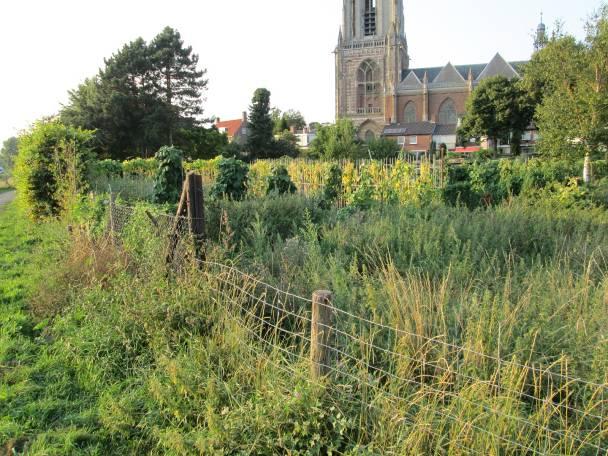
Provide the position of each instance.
(260, 141)
(179, 82)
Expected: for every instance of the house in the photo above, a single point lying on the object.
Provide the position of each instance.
(236, 130)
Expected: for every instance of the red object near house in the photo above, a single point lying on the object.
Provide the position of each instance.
(467, 150)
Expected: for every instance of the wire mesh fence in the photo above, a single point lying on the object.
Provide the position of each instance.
(487, 404)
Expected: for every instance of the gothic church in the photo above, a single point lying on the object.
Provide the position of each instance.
(377, 89)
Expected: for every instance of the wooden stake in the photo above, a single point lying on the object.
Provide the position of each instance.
(196, 213)
(181, 212)
(320, 352)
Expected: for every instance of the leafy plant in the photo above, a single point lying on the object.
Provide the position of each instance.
(51, 156)
(279, 182)
(232, 180)
(169, 177)
(333, 184)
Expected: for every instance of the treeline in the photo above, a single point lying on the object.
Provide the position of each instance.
(563, 91)
(147, 95)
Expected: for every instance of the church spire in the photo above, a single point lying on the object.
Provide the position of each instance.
(541, 39)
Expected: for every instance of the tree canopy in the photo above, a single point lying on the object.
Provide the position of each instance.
(337, 141)
(498, 109)
(8, 153)
(569, 78)
(260, 139)
(142, 99)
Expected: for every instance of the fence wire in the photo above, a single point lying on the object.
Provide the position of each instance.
(565, 414)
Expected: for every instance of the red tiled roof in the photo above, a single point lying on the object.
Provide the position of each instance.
(231, 127)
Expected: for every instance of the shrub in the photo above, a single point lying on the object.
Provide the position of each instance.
(106, 168)
(51, 167)
(382, 148)
(279, 182)
(140, 167)
(333, 184)
(232, 179)
(169, 177)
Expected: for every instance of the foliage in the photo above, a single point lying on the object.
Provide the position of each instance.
(8, 154)
(333, 185)
(144, 95)
(382, 148)
(570, 80)
(129, 361)
(51, 167)
(287, 120)
(337, 141)
(279, 182)
(260, 140)
(232, 150)
(106, 168)
(498, 108)
(170, 175)
(231, 180)
(200, 143)
(140, 167)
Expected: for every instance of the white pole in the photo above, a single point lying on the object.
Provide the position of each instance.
(587, 170)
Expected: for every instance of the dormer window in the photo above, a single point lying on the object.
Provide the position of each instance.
(370, 18)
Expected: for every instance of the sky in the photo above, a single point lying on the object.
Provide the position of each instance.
(50, 46)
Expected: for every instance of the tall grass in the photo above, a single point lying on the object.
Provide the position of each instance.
(457, 331)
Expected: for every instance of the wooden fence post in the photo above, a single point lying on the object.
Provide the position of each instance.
(181, 212)
(321, 337)
(196, 213)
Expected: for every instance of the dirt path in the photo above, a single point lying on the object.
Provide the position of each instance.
(6, 197)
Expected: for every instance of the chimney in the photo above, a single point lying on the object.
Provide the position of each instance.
(217, 120)
(245, 116)
(292, 129)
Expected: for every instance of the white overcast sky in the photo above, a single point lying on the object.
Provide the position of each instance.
(49, 46)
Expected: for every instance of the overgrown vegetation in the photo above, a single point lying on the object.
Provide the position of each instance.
(108, 356)
(51, 167)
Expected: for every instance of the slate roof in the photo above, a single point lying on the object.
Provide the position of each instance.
(445, 130)
(409, 129)
(476, 69)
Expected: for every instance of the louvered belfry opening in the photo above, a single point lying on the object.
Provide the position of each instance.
(370, 18)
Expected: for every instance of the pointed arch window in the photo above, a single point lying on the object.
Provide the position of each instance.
(369, 88)
(447, 113)
(410, 114)
(369, 136)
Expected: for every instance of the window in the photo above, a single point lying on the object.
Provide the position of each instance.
(370, 17)
(447, 113)
(413, 140)
(369, 88)
(409, 115)
(401, 140)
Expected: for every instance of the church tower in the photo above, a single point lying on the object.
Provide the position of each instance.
(371, 57)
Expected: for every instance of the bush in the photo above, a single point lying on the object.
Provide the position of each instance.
(232, 179)
(140, 167)
(51, 167)
(279, 182)
(382, 148)
(169, 177)
(333, 184)
(106, 168)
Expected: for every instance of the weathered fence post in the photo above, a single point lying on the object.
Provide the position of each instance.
(196, 213)
(181, 212)
(321, 337)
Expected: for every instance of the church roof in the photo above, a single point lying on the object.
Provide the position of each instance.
(407, 129)
(477, 70)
